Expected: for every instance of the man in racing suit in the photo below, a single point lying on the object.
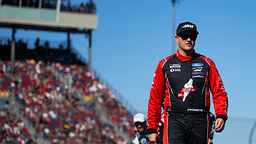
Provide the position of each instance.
(182, 81)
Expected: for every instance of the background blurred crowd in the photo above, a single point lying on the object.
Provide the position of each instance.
(53, 107)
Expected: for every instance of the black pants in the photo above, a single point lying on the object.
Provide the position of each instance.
(188, 128)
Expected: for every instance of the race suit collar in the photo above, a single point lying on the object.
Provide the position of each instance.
(185, 58)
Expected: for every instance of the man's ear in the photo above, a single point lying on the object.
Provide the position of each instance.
(176, 38)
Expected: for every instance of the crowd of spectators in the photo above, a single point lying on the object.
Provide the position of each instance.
(55, 109)
(42, 50)
(82, 8)
(10, 2)
(93, 89)
(12, 129)
(66, 5)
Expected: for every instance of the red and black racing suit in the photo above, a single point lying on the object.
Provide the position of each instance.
(183, 84)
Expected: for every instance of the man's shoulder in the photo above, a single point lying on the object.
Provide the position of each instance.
(169, 57)
(205, 58)
(163, 61)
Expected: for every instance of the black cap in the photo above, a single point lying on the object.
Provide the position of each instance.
(186, 26)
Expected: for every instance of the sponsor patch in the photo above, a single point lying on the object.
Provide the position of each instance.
(178, 65)
(197, 64)
(197, 74)
(188, 87)
(197, 69)
(175, 67)
(175, 70)
(195, 110)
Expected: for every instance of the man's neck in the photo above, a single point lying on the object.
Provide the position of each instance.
(186, 53)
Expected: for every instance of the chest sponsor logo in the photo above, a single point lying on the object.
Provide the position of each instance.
(197, 74)
(188, 87)
(175, 67)
(175, 70)
(197, 69)
(178, 65)
(197, 65)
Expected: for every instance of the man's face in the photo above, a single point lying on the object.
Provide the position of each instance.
(186, 40)
(140, 126)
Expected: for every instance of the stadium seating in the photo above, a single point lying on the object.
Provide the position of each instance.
(11, 127)
(48, 99)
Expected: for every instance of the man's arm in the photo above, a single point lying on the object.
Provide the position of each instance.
(219, 96)
(156, 99)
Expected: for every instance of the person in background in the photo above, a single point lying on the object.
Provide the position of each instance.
(140, 123)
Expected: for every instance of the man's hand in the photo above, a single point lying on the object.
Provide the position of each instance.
(219, 125)
(209, 141)
(152, 137)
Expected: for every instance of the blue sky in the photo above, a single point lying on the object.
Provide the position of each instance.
(133, 36)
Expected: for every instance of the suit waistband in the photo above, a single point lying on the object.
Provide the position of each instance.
(186, 110)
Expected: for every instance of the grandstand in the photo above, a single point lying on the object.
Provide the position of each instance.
(49, 94)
